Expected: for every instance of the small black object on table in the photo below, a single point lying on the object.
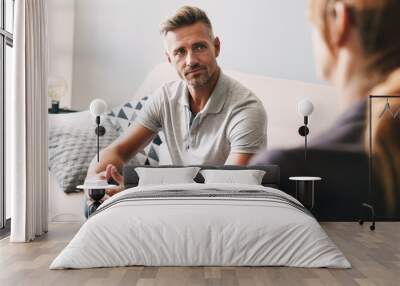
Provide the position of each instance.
(96, 195)
(60, 110)
(305, 188)
(96, 190)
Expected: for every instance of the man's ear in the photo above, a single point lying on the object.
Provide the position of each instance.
(340, 24)
(217, 46)
(168, 57)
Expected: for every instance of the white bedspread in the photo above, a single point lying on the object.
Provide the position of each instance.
(201, 230)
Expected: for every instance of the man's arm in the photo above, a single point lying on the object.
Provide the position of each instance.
(240, 159)
(121, 150)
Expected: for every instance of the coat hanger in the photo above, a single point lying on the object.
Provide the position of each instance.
(387, 108)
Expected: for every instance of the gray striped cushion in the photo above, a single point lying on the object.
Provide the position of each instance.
(72, 148)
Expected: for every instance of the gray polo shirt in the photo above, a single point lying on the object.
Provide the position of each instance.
(233, 120)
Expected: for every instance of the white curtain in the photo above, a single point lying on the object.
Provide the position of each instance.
(27, 119)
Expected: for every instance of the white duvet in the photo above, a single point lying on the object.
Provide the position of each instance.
(207, 230)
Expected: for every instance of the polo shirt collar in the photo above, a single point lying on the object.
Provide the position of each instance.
(217, 98)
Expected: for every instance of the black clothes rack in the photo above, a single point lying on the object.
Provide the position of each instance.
(369, 204)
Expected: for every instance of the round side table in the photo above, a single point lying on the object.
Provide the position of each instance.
(305, 188)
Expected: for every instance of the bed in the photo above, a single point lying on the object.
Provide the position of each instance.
(201, 224)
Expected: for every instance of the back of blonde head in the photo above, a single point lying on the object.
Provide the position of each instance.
(378, 24)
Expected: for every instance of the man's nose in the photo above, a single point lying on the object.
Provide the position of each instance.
(191, 59)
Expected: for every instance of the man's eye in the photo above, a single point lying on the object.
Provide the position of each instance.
(180, 52)
(199, 47)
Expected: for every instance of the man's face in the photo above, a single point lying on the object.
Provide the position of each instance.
(194, 53)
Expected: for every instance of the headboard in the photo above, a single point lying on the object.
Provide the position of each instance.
(270, 179)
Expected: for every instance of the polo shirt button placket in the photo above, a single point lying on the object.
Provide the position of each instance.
(192, 138)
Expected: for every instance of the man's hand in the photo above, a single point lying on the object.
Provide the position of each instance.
(117, 153)
(112, 172)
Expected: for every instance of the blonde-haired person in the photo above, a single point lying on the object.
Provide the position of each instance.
(357, 47)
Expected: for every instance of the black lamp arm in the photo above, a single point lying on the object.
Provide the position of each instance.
(303, 131)
(98, 138)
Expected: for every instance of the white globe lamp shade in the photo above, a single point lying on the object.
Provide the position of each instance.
(305, 107)
(98, 107)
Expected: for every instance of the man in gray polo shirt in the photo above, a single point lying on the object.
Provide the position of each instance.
(228, 129)
(207, 117)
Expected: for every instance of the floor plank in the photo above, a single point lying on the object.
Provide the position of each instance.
(374, 255)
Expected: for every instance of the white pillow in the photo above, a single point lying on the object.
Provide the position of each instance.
(162, 176)
(248, 177)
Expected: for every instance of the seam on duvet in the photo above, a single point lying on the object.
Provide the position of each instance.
(218, 195)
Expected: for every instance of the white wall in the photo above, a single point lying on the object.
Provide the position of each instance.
(61, 37)
(116, 43)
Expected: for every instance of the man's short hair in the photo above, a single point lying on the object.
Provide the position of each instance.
(186, 16)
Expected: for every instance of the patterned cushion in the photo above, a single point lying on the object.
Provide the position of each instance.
(122, 117)
(73, 146)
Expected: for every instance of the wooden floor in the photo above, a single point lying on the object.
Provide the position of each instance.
(375, 257)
